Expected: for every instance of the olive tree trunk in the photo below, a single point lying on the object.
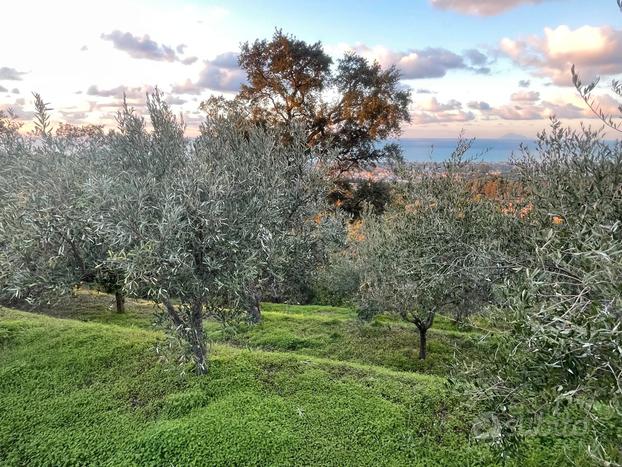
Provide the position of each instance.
(191, 330)
(254, 309)
(199, 348)
(119, 301)
(423, 324)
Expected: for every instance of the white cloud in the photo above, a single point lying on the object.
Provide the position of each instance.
(595, 51)
(10, 74)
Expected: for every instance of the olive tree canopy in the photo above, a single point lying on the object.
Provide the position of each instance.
(196, 225)
(435, 250)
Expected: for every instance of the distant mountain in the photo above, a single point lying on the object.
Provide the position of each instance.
(514, 136)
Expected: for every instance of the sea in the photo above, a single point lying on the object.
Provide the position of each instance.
(482, 149)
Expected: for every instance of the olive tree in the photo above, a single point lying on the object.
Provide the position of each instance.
(195, 225)
(49, 240)
(434, 251)
(303, 220)
(563, 351)
(574, 289)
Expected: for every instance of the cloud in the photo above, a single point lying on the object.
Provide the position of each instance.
(423, 91)
(431, 62)
(136, 97)
(517, 112)
(94, 90)
(175, 100)
(146, 48)
(481, 7)
(189, 60)
(10, 74)
(525, 96)
(433, 105)
(428, 63)
(595, 51)
(422, 118)
(19, 109)
(482, 71)
(566, 110)
(109, 109)
(524, 105)
(227, 60)
(119, 91)
(524, 83)
(479, 105)
(475, 57)
(432, 111)
(74, 117)
(220, 74)
(539, 111)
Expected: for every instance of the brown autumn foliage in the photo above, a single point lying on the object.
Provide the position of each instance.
(348, 108)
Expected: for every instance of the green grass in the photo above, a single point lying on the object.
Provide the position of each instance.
(308, 386)
(315, 332)
(91, 305)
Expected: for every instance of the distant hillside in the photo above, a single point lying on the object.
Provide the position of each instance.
(515, 136)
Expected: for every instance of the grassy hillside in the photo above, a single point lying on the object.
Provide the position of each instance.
(308, 386)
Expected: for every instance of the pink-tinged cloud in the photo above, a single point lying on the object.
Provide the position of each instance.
(430, 62)
(433, 105)
(432, 111)
(539, 111)
(423, 118)
(479, 105)
(596, 51)
(482, 7)
(74, 117)
(609, 105)
(525, 96)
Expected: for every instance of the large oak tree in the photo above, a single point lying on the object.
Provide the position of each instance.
(351, 106)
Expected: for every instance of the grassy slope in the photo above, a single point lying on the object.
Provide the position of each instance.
(75, 393)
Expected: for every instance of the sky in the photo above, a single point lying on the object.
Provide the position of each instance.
(488, 67)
